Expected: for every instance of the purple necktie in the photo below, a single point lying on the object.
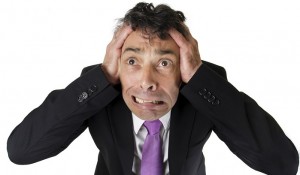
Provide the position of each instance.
(152, 162)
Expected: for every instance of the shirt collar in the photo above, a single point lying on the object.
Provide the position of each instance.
(137, 122)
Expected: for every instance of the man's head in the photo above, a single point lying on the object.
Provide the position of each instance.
(154, 21)
(149, 65)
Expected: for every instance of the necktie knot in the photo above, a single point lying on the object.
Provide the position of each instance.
(153, 127)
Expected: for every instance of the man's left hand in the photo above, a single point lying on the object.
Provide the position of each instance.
(190, 59)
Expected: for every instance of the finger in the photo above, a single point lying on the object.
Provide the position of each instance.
(189, 35)
(178, 38)
(121, 35)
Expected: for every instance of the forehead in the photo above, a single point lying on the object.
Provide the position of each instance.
(137, 40)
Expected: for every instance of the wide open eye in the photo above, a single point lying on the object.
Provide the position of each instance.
(165, 63)
(131, 61)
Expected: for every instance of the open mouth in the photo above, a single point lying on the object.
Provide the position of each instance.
(141, 101)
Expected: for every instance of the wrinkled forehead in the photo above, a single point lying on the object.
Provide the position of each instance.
(138, 39)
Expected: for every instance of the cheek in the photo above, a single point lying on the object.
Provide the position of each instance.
(177, 76)
(127, 79)
(174, 94)
(172, 89)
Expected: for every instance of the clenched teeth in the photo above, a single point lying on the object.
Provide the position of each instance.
(141, 101)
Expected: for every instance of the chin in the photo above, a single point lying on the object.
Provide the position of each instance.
(149, 115)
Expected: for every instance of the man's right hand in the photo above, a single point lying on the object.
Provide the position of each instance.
(110, 65)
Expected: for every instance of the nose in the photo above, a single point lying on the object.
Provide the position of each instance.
(148, 81)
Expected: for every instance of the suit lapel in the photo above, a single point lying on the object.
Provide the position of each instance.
(182, 118)
(122, 129)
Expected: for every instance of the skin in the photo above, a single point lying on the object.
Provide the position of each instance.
(150, 71)
(150, 75)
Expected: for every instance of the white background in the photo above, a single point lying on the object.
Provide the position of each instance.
(44, 45)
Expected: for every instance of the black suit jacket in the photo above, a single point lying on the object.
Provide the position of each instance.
(207, 103)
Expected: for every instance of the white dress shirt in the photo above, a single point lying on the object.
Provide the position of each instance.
(140, 133)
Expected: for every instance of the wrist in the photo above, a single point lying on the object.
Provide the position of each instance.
(109, 77)
(187, 77)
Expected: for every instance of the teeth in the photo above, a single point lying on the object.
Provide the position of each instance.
(145, 101)
(139, 100)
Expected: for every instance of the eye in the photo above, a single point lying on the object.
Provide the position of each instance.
(165, 63)
(131, 61)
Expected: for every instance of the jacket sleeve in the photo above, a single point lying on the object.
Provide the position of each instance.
(50, 128)
(249, 131)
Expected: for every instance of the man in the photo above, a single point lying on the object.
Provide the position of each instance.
(152, 76)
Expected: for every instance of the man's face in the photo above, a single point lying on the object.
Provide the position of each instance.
(149, 75)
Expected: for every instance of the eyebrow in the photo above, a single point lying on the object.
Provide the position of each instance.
(165, 52)
(157, 51)
(136, 50)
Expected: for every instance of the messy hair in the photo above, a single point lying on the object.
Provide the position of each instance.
(154, 21)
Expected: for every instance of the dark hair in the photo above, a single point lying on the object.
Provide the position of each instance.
(154, 21)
